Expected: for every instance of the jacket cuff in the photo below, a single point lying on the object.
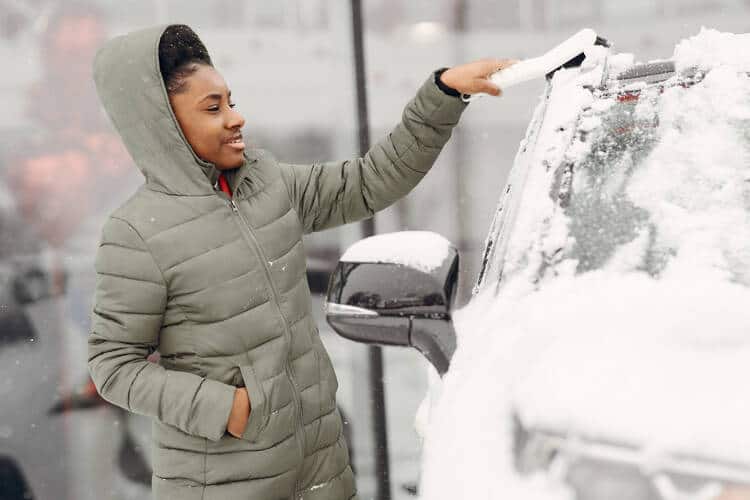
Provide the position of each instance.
(440, 107)
(442, 86)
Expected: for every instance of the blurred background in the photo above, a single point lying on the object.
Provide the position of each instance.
(290, 65)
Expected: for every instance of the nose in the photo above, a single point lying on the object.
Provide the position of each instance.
(235, 119)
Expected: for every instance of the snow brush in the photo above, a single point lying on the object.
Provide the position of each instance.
(568, 54)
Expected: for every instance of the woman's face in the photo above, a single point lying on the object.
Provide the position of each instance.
(204, 110)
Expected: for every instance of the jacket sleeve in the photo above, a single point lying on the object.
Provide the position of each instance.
(335, 193)
(129, 304)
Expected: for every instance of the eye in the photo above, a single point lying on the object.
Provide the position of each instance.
(232, 104)
(213, 108)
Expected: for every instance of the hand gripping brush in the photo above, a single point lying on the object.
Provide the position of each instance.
(568, 54)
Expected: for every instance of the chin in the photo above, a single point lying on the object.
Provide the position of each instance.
(226, 165)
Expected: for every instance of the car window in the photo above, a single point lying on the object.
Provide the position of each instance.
(626, 165)
(617, 135)
(636, 167)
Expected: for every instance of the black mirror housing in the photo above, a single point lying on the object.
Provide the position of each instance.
(381, 301)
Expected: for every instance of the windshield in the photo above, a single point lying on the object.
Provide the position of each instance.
(592, 192)
(662, 174)
(650, 175)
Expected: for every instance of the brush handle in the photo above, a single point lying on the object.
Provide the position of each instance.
(522, 71)
(536, 67)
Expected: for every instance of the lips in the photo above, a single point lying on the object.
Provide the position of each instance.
(235, 142)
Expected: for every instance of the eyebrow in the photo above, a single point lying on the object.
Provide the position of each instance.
(215, 95)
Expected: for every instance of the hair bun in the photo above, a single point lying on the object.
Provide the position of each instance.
(179, 48)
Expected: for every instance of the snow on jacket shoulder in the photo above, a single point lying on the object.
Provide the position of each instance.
(218, 286)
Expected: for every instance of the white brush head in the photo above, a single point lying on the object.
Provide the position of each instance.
(529, 69)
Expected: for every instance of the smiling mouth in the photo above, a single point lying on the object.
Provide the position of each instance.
(235, 142)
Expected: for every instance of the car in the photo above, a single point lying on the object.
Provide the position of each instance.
(606, 346)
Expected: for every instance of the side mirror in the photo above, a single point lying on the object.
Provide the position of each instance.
(397, 289)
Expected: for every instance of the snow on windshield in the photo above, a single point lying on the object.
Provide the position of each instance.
(695, 184)
(623, 350)
(422, 250)
(535, 232)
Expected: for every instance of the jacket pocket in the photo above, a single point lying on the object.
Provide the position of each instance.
(258, 404)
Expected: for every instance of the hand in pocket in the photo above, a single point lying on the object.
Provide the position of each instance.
(258, 417)
(240, 413)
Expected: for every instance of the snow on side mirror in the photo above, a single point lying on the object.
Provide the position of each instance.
(397, 289)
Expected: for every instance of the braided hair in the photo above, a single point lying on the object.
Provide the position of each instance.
(180, 54)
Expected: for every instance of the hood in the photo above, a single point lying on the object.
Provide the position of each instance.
(131, 89)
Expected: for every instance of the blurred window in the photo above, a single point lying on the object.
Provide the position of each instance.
(493, 14)
(572, 12)
(387, 15)
(131, 13)
(268, 14)
(297, 145)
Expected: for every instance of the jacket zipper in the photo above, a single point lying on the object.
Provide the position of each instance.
(253, 243)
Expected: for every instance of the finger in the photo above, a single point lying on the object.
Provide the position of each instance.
(489, 66)
(484, 85)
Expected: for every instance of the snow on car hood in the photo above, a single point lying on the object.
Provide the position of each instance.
(655, 364)
(615, 353)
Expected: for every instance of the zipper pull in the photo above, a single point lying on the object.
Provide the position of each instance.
(234, 206)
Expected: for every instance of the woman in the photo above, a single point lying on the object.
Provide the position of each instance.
(205, 263)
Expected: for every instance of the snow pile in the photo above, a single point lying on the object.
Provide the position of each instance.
(696, 183)
(468, 446)
(617, 63)
(711, 48)
(423, 250)
(613, 353)
(660, 363)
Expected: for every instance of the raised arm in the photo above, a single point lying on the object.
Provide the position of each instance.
(129, 307)
(338, 192)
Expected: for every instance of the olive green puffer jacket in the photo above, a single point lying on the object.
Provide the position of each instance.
(218, 286)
